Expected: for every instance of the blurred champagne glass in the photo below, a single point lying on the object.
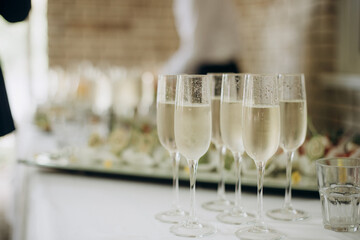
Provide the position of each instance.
(193, 136)
(222, 203)
(126, 92)
(231, 129)
(261, 136)
(293, 114)
(165, 126)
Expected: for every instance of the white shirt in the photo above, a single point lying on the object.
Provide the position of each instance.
(208, 31)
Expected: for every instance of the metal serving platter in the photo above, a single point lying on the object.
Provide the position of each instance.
(206, 172)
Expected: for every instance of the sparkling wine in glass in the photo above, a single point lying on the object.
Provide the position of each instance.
(192, 137)
(231, 129)
(293, 113)
(221, 203)
(165, 127)
(261, 136)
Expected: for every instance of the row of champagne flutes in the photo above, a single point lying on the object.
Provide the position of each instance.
(241, 112)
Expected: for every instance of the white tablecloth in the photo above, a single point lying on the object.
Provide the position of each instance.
(59, 206)
(50, 205)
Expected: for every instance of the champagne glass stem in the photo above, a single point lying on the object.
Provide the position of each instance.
(260, 187)
(290, 156)
(193, 169)
(221, 150)
(238, 160)
(175, 156)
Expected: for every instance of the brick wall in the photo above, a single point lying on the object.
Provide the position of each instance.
(276, 36)
(121, 32)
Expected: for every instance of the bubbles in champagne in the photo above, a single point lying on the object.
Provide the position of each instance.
(261, 129)
(165, 125)
(193, 130)
(293, 124)
(231, 125)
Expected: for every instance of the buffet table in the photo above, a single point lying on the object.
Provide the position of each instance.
(57, 205)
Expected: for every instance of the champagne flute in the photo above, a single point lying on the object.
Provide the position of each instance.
(293, 114)
(192, 137)
(222, 203)
(231, 129)
(261, 136)
(165, 127)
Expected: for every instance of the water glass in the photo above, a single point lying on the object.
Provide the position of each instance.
(339, 188)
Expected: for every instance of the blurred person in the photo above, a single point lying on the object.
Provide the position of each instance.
(12, 11)
(209, 37)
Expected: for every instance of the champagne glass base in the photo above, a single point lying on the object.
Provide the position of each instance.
(235, 217)
(258, 233)
(219, 205)
(192, 229)
(172, 216)
(287, 214)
